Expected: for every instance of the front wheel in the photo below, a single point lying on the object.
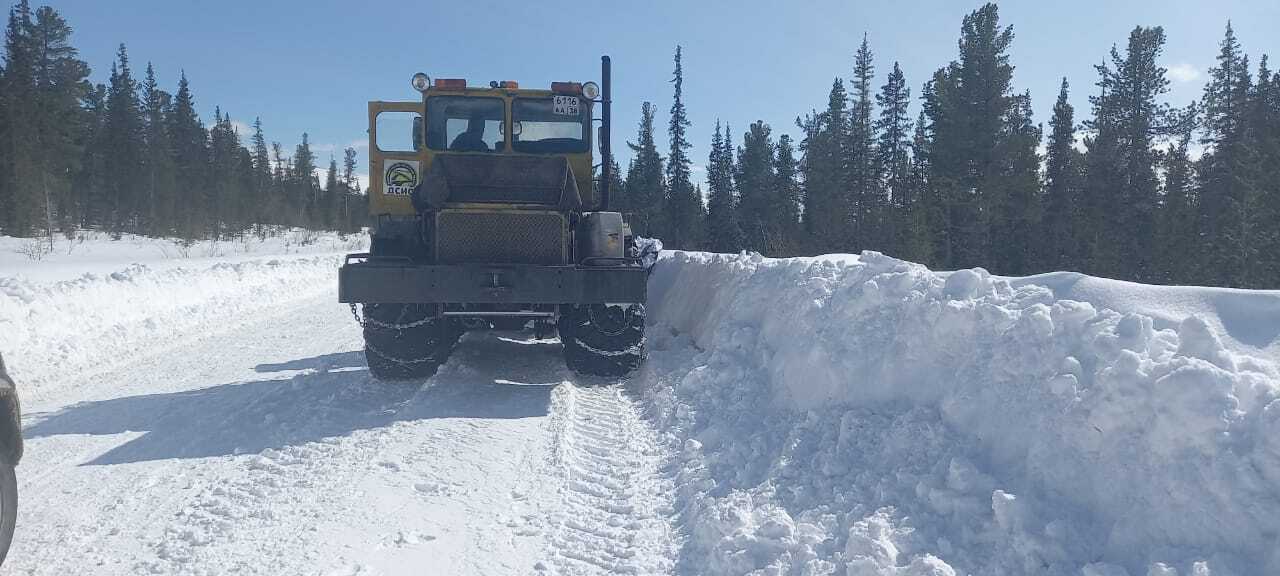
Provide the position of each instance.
(602, 340)
(406, 341)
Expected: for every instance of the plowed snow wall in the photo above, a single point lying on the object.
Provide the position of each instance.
(1145, 444)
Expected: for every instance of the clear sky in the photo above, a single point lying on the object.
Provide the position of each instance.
(311, 66)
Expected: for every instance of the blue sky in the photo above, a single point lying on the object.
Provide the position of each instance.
(311, 66)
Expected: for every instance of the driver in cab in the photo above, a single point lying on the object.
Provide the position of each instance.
(472, 140)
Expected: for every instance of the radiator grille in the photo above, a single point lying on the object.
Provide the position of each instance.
(500, 238)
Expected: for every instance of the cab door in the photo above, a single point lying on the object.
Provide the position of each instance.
(397, 156)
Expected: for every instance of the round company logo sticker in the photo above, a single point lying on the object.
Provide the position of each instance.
(401, 178)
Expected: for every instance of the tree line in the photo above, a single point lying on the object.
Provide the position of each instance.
(1138, 190)
(129, 157)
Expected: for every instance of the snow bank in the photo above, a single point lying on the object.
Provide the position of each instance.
(96, 252)
(53, 330)
(865, 416)
(1248, 321)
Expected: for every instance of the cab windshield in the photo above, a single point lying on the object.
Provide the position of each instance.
(465, 123)
(556, 124)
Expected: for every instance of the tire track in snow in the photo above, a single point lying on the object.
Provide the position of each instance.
(614, 517)
(77, 460)
(266, 449)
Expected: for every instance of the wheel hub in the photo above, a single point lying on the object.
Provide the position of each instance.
(610, 320)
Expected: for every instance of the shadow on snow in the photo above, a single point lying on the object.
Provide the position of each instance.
(488, 377)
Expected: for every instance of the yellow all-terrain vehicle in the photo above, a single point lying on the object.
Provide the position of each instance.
(487, 215)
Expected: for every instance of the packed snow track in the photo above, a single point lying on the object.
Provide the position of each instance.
(267, 449)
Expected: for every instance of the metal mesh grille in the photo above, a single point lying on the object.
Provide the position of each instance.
(500, 238)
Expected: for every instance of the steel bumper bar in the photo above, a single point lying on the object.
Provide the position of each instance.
(365, 279)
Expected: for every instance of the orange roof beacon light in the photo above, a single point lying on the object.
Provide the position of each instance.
(566, 87)
(450, 83)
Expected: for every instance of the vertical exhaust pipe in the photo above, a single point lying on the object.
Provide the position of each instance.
(606, 150)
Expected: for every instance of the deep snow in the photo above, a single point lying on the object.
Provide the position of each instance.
(93, 308)
(868, 416)
(852, 415)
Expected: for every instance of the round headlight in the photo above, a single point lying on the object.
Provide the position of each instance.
(591, 90)
(421, 82)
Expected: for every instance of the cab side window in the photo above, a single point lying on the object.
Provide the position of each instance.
(396, 131)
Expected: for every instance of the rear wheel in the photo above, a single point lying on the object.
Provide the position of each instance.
(406, 341)
(602, 340)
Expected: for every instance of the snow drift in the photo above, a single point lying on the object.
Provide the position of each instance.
(863, 415)
(96, 321)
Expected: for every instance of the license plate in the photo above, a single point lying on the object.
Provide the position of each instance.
(564, 105)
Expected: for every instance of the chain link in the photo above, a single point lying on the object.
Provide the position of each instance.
(366, 322)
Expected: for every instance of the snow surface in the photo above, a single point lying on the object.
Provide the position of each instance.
(60, 316)
(867, 416)
(97, 253)
(851, 415)
(1248, 321)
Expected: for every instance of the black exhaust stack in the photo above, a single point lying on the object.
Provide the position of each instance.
(606, 101)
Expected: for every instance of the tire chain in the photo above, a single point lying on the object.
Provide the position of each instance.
(370, 323)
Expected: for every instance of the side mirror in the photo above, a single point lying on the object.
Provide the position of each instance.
(417, 133)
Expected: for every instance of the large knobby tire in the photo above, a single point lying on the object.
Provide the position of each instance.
(602, 340)
(406, 341)
(8, 507)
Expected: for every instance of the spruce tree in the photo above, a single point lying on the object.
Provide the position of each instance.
(190, 158)
(970, 107)
(224, 197)
(684, 211)
(303, 186)
(264, 201)
(865, 198)
(1229, 194)
(785, 197)
(1179, 248)
(826, 203)
(350, 215)
(1014, 193)
(643, 199)
(1062, 180)
(125, 133)
(894, 162)
(329, 208)
(754, 179)
(160, 173)
(1121, 189)
(20, 194)
(1264, 133)
(90, 180)
(920, 211)
(723, 232)
(60, 87)
(810, 186)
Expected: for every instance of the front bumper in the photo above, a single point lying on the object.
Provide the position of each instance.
(366, 279)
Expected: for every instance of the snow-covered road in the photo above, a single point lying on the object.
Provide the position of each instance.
(266, 448)
(837, 415)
